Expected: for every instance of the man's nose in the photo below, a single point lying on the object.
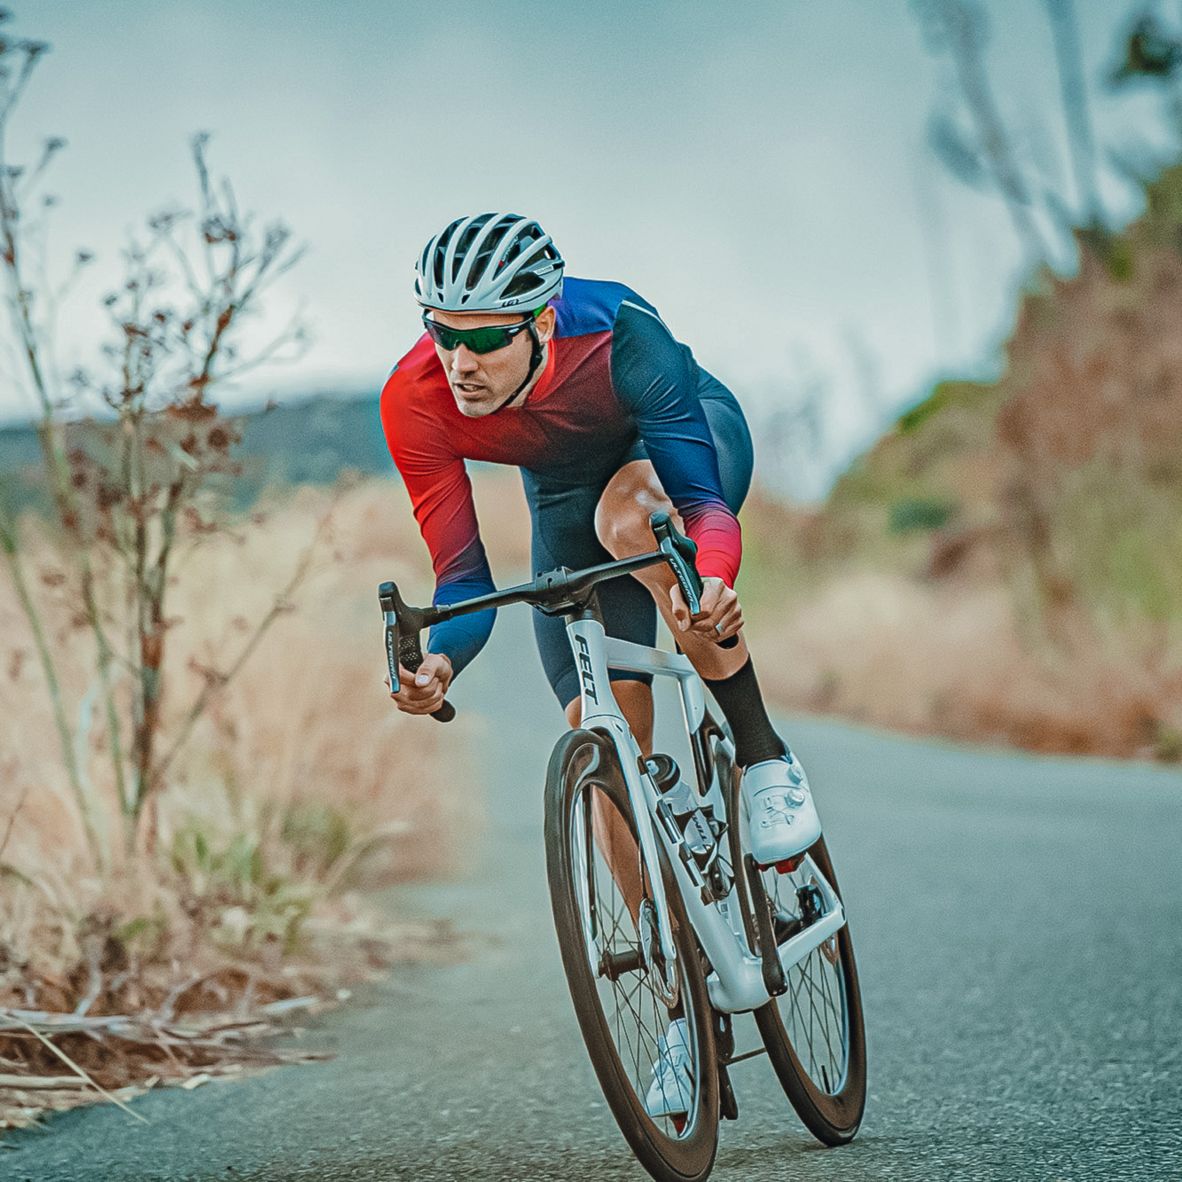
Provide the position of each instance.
(463, 360)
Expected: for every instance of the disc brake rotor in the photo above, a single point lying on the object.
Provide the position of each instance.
(664, 979)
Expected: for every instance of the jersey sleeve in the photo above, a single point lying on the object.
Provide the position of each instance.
(441, 497)
(654, 380)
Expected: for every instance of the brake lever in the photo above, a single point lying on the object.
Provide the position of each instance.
(681, 552)
(404, 648)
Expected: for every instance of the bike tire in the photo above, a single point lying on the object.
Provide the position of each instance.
(830, 1108)
(583, 763)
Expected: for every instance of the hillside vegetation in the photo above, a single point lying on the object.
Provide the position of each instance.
(1006, 562)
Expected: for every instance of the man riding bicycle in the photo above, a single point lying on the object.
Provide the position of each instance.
(580, 384)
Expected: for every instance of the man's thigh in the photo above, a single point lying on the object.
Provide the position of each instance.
(564, 535)
(627, 502)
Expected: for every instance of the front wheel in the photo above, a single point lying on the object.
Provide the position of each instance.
(625, 996)
(814, 1032)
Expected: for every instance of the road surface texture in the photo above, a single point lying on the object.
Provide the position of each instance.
(1018, 924)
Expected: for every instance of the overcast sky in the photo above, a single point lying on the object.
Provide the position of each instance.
(756, 170)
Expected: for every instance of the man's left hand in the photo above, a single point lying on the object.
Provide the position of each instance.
(721, 615)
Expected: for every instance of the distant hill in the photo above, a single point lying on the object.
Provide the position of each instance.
(311, 441)
(1070, 464)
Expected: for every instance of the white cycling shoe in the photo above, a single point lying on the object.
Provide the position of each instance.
(782, 820)
(672, 1091)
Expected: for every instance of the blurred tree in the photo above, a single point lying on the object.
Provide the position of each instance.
(971, 139)
(1152, 55)
(1076, 110)
(983, 152)
(1150, 52)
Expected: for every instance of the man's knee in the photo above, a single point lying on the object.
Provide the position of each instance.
(621, 517)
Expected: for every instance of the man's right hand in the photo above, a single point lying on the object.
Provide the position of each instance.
(422, 692)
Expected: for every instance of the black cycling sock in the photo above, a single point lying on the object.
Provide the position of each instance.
(742, 703)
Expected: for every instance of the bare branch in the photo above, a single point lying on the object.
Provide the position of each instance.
(9, 546)
(958, 28)
(33, 51)
(126, 494)
(280, 606)
(52, 1046)
(1075, 108)
(12, 816)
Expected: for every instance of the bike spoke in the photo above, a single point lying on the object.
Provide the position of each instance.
(636, 1016)
(812, 1010)
(832, 1011)
(816, 1023)
(796, 1018)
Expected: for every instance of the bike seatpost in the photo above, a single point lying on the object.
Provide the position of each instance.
(402, 626)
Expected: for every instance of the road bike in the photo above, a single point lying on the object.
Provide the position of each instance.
(661, 913)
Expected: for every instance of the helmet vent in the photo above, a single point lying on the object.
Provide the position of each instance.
(490, 262)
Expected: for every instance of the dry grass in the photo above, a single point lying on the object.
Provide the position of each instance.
(931, 658)
(301, 787)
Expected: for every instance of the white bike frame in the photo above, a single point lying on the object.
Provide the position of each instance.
(736, 981)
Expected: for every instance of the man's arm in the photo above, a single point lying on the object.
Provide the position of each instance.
(653, 378)
(441, 497)
(463, 575)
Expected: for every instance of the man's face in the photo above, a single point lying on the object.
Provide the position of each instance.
(483, 382)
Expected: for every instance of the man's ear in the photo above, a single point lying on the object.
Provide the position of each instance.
(546, 322)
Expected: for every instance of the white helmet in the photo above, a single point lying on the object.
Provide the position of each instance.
(491, 262)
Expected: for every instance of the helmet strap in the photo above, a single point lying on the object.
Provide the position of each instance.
(535, 360)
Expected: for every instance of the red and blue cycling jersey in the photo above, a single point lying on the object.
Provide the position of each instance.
(614, 376)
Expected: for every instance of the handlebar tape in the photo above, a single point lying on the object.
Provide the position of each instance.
(403, 646)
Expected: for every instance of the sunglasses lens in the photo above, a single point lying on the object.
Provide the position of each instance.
(487, 340)
(479, 340)
(446, 338)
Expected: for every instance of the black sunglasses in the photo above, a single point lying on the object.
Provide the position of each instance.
(479, 340)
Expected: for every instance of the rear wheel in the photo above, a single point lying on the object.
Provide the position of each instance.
(625, 996)
(814, 1032)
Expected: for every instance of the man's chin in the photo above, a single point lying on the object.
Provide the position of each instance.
(474, 408)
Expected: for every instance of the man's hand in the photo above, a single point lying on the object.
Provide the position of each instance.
(422, 692)
(720, 606)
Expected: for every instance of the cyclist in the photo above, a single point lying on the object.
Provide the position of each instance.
(580, 384)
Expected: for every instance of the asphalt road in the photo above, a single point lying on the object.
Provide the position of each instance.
(1018, 923)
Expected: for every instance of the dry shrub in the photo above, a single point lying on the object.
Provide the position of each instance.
(307, 728)
(300, 785)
